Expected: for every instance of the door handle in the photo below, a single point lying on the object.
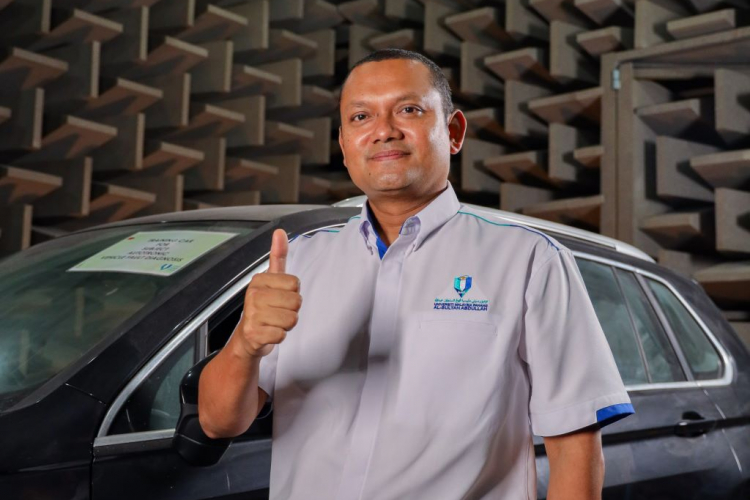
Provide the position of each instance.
(693, 425)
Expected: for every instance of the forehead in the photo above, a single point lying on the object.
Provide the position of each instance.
(389, 79)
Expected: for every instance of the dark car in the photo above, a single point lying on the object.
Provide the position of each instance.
(95, 341)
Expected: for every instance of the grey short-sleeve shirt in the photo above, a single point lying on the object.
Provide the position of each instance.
(421, 370)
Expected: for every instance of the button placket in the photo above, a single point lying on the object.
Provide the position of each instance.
(382, 336)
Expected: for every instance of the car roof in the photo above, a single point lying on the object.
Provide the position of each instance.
(265, 213)
(260, 213)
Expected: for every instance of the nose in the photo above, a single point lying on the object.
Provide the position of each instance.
(385, 129)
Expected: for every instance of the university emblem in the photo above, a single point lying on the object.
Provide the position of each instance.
(475, 301)
(462, 284)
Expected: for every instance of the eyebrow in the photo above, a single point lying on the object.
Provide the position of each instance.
(406, 97)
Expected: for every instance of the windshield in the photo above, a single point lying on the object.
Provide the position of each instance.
(60, 298)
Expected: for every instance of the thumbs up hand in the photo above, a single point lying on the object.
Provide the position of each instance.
(272, 301)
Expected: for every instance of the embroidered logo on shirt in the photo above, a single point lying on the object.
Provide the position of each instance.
(461, 286)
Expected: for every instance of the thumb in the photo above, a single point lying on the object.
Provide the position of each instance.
(279, 249)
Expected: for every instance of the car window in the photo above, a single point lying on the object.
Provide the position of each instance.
(63, 297)
(700, 353)
(662, 362)
(222, 324)
(613, 315)
(155, 404)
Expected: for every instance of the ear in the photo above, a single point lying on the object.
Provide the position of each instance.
(341, 145)
(456, 130)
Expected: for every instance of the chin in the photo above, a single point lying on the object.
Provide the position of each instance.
(389, 183)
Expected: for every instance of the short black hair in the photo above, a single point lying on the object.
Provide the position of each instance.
(439, 81)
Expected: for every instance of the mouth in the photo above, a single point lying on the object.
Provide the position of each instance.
(389, 155)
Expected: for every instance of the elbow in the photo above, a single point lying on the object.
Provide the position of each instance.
(209, 416)
(213, 431)
(216, 428)
(209, 424)
(207, 427)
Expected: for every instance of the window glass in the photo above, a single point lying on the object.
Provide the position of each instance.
(612, 312)
(222, 324)
(663, 365)
(52, 316)
(700, 353)
(155, 404)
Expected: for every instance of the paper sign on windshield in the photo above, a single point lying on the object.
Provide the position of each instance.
(161, 253)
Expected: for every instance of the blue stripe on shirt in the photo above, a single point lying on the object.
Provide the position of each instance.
(512, 225)
(611, 414)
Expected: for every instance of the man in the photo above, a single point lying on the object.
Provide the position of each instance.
(431, 341)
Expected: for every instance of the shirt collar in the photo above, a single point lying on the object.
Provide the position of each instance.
(423, 223)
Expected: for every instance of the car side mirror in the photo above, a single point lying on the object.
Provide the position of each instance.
(192, 444)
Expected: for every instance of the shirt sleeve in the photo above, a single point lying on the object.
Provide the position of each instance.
(574, 379)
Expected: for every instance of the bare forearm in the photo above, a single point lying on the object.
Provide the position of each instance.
(228, 394)
(576, 466)
(573, 482)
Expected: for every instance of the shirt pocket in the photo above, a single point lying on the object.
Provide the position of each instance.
(457, 326)
(447, 370)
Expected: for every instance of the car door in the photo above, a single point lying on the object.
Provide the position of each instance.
(133, 454)
(670, 448)
(719, 364)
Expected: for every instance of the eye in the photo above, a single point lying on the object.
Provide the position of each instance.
(354, 118)
(410, 110)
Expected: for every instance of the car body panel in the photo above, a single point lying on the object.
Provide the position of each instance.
(46, 451)
(161, 473)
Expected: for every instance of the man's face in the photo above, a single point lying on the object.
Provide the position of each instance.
(394, 133)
